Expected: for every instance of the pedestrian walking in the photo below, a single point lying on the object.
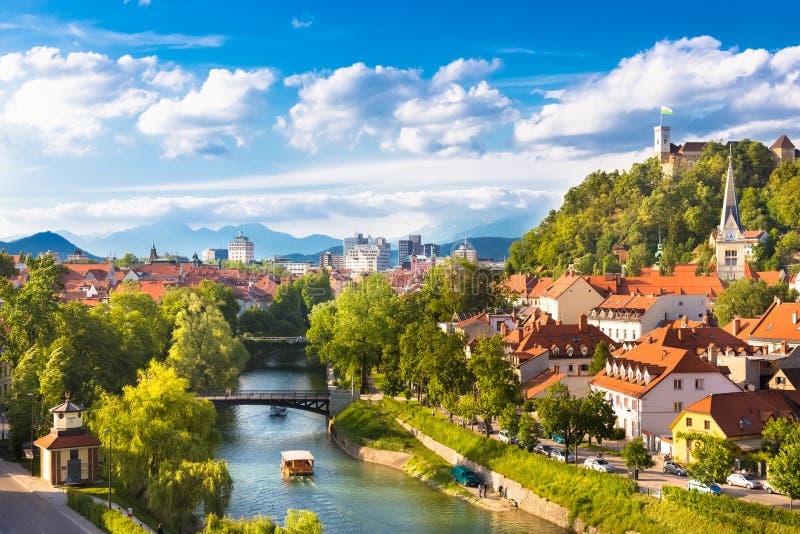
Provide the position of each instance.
(159, 530)
(500, 490)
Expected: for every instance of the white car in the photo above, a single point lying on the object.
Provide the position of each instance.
(744, 481)
(562, 456)
(598, 464)
(503, 436)
(770, 489)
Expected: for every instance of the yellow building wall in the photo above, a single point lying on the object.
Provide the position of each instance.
(680, 451)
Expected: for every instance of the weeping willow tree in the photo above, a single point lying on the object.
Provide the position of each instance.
(163, 445)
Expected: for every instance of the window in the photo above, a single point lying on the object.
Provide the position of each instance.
(779, 380)
(707, 425)
(570, 368)
(688, 422)
(677, 384)
(730, 258)
(584, 367)
(678, 407)
(698, 383)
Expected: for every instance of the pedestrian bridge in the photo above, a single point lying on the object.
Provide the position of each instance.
(290, 340)
(311, 400)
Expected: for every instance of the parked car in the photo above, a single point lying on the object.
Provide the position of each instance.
(770, 489)
(562, 456)
(504, 436)
(745, 481)
(598, 464)
(543, 449)
(465, 475)
(696, 485)
(675, 468)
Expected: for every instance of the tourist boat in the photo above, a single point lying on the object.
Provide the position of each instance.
(278, 410)
(297, 463)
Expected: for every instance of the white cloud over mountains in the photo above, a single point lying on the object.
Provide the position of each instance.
(398, 107)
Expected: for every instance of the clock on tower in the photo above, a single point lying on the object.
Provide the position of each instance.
(731, 235)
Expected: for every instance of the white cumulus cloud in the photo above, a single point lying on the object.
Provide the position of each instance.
(398, 107)
(718, 89)
(203, 120)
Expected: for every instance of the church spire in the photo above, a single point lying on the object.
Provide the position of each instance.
(729, 219)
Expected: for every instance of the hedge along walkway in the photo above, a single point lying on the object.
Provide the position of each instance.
(123, 511)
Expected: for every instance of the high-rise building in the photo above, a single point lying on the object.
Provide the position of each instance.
(350, 242)
(241, 249)
(328, 260)
(384, 253)
(467, 251)
(214, 254)
(362, 259)
(407, 248)
(431, 250)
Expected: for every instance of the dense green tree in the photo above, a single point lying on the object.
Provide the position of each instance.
(496, 385)
(129, 259)
(712, 456)
(28, 313)
(784, 470)
(203, 350)
(224, 298)
(352, 332)
(529, 431)
(780, 431)
(636, 455)
(571, 418)
(599, 358)
(181, 487)
(748, 298)
(509, 419)
(25, 406)
(295, 522)
(7, 269)
(155, 423)
(458, 285)
(433, 360)
(315, 288)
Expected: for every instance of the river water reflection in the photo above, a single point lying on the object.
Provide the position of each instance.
(348, 495)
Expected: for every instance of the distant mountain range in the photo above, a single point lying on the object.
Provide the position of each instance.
(182, 240)
(42, 242)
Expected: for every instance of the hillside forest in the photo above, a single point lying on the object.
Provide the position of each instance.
(641, 207)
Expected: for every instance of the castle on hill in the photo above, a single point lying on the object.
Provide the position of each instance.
(675, 159)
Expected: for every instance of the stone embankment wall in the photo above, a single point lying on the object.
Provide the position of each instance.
(394, 459)
(524, 498)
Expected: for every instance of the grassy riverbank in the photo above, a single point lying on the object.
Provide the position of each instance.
(373, 425)
(610, 503)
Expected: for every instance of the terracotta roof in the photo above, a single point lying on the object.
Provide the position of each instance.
(540, 382)
(781, 321)
(695, 339)
(746, 412)
(659, 361)
(770, 277)
(684, 281)
(54, 441)
(638, 303)
(557, 288)
(538, 336)
(782, 142)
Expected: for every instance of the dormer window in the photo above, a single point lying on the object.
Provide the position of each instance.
(555, 351)
(584, 350)
(609, 369)
(570, 350)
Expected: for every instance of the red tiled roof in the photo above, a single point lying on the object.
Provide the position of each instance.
(659, 360)
(781, 321)
(54, 441)
(540, 382)
(639, 303)
(533, 338)
(746, 412)
(695, 339)
(782, 142)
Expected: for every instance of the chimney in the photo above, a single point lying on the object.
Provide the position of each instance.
(705, 319)
(794, 317)
(583, 323)
(503, 329)
(681, 335)
(737, 324)
(783, 347)
(558, 322)
(712, 354)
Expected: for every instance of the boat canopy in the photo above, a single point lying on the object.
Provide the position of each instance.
(292, 456)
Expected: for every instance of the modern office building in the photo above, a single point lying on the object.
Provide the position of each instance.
(241, 249)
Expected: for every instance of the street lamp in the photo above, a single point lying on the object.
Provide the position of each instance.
(110, 451)
(31, 396)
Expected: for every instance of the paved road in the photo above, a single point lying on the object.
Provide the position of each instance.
(30, 506)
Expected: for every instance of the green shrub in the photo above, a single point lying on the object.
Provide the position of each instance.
(111, 521)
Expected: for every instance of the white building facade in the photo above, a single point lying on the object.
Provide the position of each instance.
(241, 249)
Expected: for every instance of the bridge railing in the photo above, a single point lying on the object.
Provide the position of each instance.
(276, 394)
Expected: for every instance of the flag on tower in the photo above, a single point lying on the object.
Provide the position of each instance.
(666, 111)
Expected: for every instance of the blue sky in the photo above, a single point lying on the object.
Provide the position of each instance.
(361, 116)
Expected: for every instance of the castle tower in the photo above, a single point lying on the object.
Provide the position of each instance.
(783, 149)
(730, 239)
(662, 143)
